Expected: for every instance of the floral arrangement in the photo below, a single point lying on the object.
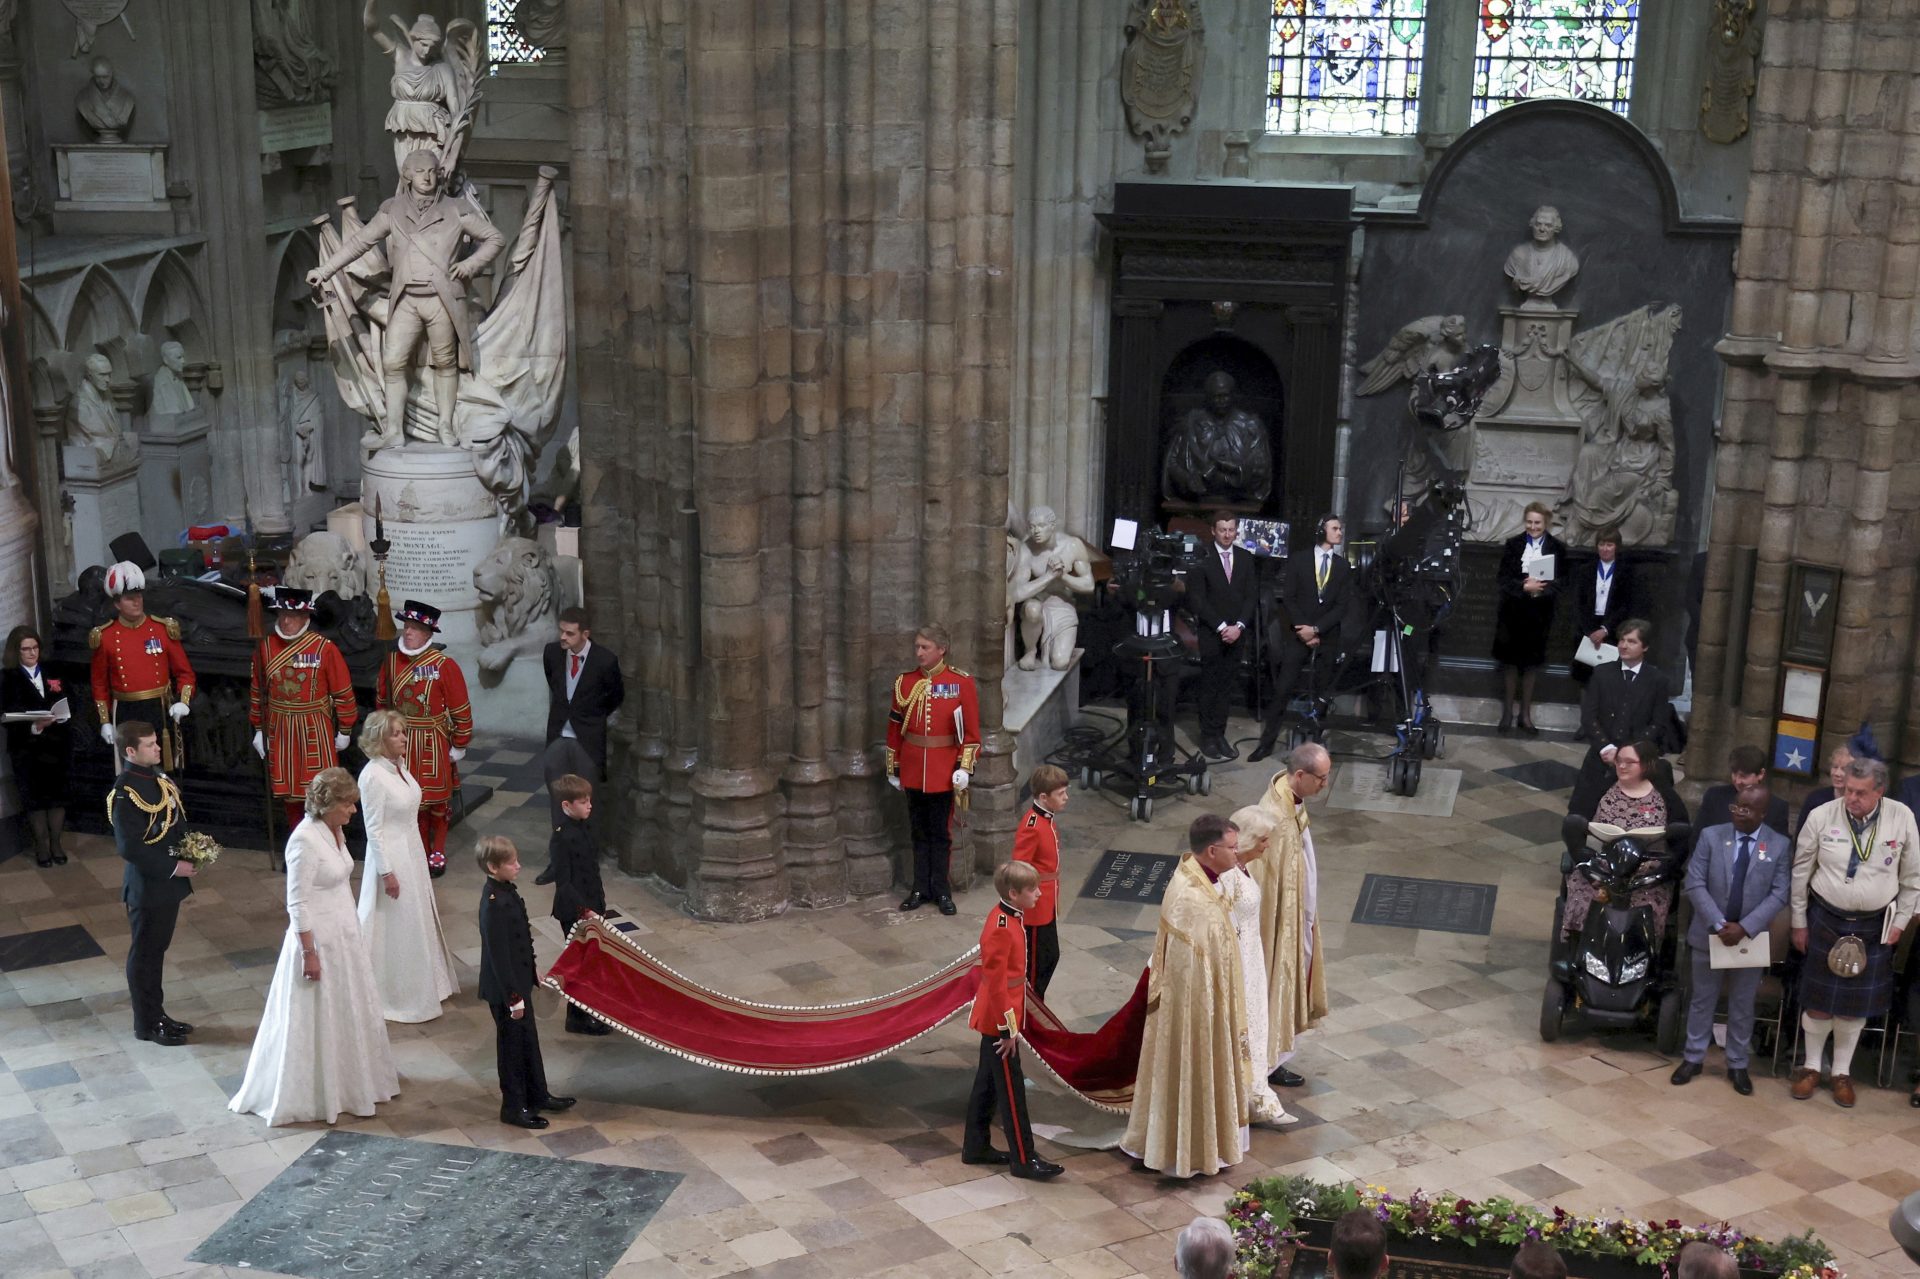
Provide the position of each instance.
(199, 848)
(1263, 1219)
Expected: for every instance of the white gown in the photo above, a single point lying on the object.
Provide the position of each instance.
(322, 1047)
(411, 964)
(1243, 907)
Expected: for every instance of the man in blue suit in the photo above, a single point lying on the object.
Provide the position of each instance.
(1737, 882)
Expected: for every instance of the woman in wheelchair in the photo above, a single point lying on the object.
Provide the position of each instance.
(1641, 797)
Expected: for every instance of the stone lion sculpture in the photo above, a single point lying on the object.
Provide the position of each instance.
(326, 562)
(521, 588)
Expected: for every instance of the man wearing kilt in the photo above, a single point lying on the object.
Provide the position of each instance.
(426, 687)
(1856, 882)
(301, 705)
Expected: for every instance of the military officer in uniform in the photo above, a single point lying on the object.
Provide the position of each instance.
(999, 1011)
(301, 708)
(933, 738)
(1037, 843)
(140, 670)
(149, 821)
(427, 688)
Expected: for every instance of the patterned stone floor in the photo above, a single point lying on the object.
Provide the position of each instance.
(117, 1158)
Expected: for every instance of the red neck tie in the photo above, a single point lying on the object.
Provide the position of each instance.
(575, 672)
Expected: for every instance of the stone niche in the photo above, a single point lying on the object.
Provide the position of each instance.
(1233, 277)
(1620, 214)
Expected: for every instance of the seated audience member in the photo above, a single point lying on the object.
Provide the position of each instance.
(1637, 800)
(1699, 1259)
(1359, 1246)
(1837, 763)
(1746, 766)
(1537, 1259)
(1204, 1250)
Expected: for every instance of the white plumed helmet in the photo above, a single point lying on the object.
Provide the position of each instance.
(124, 578)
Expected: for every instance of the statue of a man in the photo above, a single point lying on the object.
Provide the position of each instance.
(104, 104)
(300, 419)
(1543, 266)
(92, 420)
(1219, 453)
(423, 230)
(1049, 569)
(170, 391)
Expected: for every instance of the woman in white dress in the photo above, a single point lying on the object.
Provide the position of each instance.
(398, 914)
(322, 1047)
(1243, 905)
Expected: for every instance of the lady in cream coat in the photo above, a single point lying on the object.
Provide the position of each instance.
(398, 914)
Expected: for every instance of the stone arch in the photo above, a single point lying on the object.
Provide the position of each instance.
(295, 254)
(170, 306)
(97, 313)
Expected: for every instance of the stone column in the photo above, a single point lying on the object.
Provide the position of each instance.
(21, 586)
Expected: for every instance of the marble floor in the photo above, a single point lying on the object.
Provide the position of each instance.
(117, 1157)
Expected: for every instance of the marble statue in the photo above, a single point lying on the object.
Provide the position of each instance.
(300, 434)
(1543, 266)
(435, 85)
(170, 391)
(1623, 474)
(1435, 341)
(423, 231)
(290, 68)
(542, 23)
(495, 386)
(92, 420)
(1045, 574)
(105, 105)
(1160, 72)
(520, 587)
(326, 562)
(1219, 452)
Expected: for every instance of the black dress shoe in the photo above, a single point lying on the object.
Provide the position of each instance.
(523, 1118)
(1036, 1170)
(1742, 1082)
(914, 901)
(1218, 748)
(1528, 727)
(990, 1157)
(1506, 721)
(162, 1034)
(59, 857)
(1685, 1071)
(177, 1027)
(43, 860)
(946, 905)
(1281, 1077)
(1260, 752)
(557, 1104)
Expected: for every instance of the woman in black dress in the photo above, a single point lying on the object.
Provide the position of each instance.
(1526, 613)
(1600, 591)
(38, 750)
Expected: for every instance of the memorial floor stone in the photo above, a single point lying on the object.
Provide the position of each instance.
(22, 951)
(1397, 901)
(1138, 879)
(356, 1204)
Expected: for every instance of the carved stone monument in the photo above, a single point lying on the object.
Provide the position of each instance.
(434, 85)
(442, 522)
(108, 172)
(1160, 72)
(324, 562)
(1046, 573)
(104, 104)
(1622, 476)
(301, 439)
(1220, 454)
(176, 474)
(290, 68)
(542, 23)
(93, 423)
(170, 391)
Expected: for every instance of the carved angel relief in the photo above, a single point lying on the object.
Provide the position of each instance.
(1436, 341)
(1160, 72)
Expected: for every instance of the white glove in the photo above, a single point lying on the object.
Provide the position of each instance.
(961, 777)
(106, 734)
(178, 710)
(340, 741)
(260, 744)
(457, 754)
(893, 781)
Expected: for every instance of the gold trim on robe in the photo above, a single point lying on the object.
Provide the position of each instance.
(1296, 989)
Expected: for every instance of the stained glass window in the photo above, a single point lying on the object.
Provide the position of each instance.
(1345, 66)
(1554, 49)
(505, 44)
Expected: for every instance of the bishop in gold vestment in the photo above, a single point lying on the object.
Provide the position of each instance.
(1289, 923)
(1190, 1098)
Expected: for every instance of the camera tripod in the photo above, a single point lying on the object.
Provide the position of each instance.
(1145, 759)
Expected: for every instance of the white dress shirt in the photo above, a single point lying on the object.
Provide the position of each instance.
(573, 679)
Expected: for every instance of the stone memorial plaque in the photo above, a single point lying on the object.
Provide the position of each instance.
(290, 128)
(1444, 905)
(1138, 879)
(435, 562)
(359, 1205)
(112, 175)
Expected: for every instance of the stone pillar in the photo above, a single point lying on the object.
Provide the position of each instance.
(793, 303)
(21, 586)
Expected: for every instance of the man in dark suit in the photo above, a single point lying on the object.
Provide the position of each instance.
(149, 821)
(1600, 600)
(1222, 593)
(1746, 766)
(1316, 595)
(1626, 701)
(583, 688)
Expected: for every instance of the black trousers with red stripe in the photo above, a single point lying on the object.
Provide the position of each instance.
(998, 1084)
(1043, 956)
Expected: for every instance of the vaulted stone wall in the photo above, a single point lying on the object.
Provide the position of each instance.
(793, 250)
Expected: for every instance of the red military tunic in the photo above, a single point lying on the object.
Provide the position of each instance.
(142, 662)
(933, 728)
(1000, 1004)
(301, 691)
(1038, 844)
(431, 693)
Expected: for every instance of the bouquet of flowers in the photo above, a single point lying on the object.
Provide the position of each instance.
(199, 848)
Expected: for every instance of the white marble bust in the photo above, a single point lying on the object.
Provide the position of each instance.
(1543, 266)
(170, 391)
(92, 421)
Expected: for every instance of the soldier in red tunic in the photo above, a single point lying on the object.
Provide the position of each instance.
(427, 688)
(999, 1011)
(1037, 843)
(933, 737)
(302, 708)
(140, 670)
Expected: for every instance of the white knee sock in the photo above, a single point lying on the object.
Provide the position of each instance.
(1846, 1034)
(1815, 1030)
